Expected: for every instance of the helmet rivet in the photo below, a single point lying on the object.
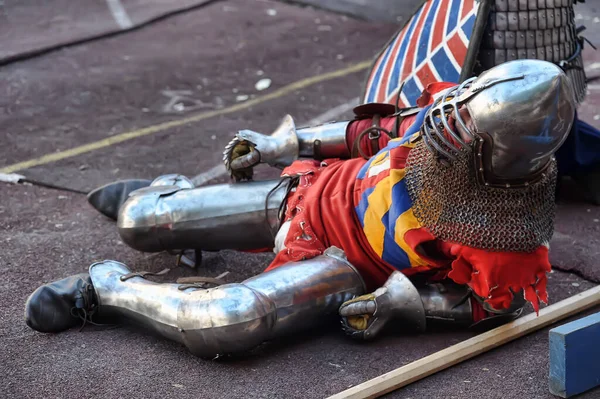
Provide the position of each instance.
(481, 169)
(507, 185)
(487, 184)
(479, 154)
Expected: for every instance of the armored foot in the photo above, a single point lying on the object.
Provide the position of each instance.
(109, 198)
(60, 305)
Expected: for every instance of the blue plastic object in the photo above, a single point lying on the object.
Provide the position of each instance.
(575, 356)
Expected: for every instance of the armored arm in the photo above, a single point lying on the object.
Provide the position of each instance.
(372, 127)
(284, 146)
(419, 305)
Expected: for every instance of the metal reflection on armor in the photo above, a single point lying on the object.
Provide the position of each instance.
(232, 317)
(493, 189)
(162, 218)
(279, 149)
(174, 179)
(447, 302)
(284, 146)
(522, 110)
(324, 141)
(524, 121)
(417, 304)
(364, 317)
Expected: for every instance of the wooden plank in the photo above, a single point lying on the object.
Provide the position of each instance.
(472, 347)
(575, 356)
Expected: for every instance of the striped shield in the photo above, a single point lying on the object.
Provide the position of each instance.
(435, 45)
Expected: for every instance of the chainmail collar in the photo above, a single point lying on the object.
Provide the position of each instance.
(454, 207)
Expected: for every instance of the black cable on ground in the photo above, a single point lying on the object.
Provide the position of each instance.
(52, 186)
(38, 52)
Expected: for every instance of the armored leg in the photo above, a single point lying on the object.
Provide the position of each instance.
(227, 319)
(225, 216)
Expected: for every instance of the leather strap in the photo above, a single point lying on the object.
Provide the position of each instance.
(127, 276)
(200, 282)
(374, 132)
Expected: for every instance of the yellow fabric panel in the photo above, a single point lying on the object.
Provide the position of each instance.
(407, 221)
(379, 203)
(379, 158)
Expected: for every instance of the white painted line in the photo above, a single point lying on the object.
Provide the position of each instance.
(593, 87)
(327, 116)
(119, 14)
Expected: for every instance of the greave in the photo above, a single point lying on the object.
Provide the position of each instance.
(224, 216)
(232, 317)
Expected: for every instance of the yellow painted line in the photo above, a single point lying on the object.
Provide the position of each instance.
(119, 138)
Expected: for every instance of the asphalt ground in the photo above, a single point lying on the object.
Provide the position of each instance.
(108, 92)
(35, 27)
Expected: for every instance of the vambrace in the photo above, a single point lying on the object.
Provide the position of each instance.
(334, 140)
(223, 216)
(232, 317)
(449, 303)
(289, 143)
(324, 141)
(417, 305)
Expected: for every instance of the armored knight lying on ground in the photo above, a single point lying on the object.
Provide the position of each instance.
(449, 222)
